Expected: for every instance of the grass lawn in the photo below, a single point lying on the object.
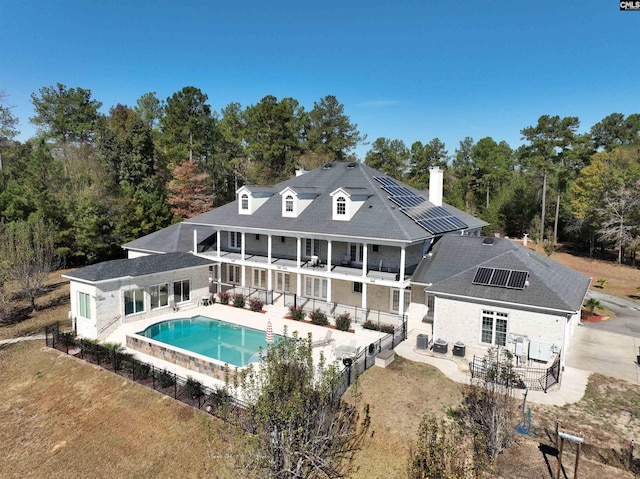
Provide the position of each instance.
(62, 417)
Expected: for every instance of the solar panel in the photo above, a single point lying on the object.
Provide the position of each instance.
(406, 201)
(398, 191)
(517, 280)
(384, 181)
(483, 275)
(500, 277)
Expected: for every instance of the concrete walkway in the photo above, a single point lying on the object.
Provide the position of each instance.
(5, 342)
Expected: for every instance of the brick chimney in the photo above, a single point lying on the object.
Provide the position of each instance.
(435, 185)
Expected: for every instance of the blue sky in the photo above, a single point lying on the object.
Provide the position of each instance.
(411, 70)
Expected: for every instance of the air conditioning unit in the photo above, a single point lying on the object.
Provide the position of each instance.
(440, 346)
(423, 341)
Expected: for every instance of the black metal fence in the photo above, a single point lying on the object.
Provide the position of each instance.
(358, 315)
(365, 358)
(535, 379)
(187, 390)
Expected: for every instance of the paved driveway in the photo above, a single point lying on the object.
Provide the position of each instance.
(609, 347)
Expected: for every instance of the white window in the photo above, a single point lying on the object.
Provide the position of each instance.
(431, 307)
(181, 291)
(311, 247)
(494, 328)
(159, 295)
(341, 206)
(315, 287)
(260, 278)
(233, 276)
(288, 204)
(133, 301)
(84, 305)
(282, 282)
(235, 239)
(356, 252)
(395, 300)
(244, 202)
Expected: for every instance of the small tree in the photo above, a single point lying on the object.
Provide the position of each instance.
(592, 304)
(444, 451)
(602, 282)
(28, 252)
(302, 426)
(549, 248)
(488, 407)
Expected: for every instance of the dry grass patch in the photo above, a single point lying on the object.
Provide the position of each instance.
(622, 279)
(399, 396)
(62, 417)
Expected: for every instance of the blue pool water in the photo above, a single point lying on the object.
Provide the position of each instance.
(226, 342)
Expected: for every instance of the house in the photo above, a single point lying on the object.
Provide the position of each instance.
(346, 235)
(341, 234)
(486, 292)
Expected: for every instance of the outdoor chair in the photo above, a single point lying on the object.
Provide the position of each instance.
(324, 341)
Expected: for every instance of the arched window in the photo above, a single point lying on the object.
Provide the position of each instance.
(341, 206)
(245, 202)
(288, 204)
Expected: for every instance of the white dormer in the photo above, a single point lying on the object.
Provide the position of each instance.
(295, 200)
(346, 202)
(250, 198)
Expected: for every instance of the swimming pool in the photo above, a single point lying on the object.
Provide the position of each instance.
(215, 339)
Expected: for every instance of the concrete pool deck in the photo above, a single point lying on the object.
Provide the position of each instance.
(243, 317)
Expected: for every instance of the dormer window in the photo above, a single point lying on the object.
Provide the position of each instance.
(251, 198)
(295, 200)
(288, 204)
(346, 201)
(244, 200)
(341, 206)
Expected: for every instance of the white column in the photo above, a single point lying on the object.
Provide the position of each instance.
(269, 272)
(243, 280)
(328, 290)
(403, 259)
(365, 248)
(298, 251)
(329, 256)
(218, 239)
(401, 305)
(298, 284)
(242, 247)
(364, 296)
(195, 240)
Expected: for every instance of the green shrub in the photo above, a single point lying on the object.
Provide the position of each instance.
(255, 304)
(384, 328)
(238, 300)
(296, 313)
(318, 317)
(193, 389)
(602, 282)
(343, 321)
(223, 296)
(165, 378)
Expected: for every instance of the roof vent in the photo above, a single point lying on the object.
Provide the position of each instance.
(351, 166)
(487, 241)
(327, 166)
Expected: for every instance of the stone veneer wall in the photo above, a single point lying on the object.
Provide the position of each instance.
(195, 363)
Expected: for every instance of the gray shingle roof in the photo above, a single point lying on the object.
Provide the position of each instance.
(135, 267)
(377, 218)
(178, 237)
(451, 267)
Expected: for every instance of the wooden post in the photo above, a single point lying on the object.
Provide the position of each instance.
(559, 458)
(631, 455)
(557, 429)
(575, 471)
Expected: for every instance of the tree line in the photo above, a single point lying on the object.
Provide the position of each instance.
(99, 180)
